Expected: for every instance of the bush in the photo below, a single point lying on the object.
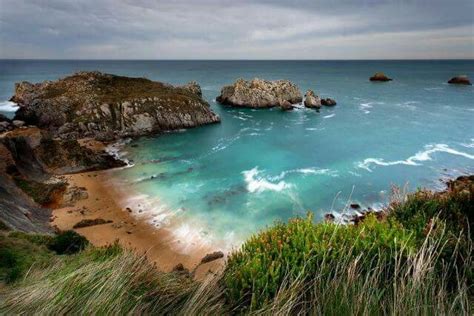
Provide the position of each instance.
(300, 249)
(18, 253)
(68, 242)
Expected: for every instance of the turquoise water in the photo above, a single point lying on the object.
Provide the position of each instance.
(228, 180)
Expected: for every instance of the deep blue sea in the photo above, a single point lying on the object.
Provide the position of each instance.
(224, 182)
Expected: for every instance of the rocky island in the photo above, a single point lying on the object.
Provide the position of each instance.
(259, 93)
(464, 80)
(107, 107)
(380, 76)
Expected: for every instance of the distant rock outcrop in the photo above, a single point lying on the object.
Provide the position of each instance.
(311, 100)
(380, 76)
(258, 93)
(460, 80)
(104, 106)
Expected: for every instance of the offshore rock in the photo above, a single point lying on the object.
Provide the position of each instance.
(328, 102)
(460, 80)
(380, 76)
(107, 107)
(311, 100)
(259, 93)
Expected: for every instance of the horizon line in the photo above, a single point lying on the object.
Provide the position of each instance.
(237, 59)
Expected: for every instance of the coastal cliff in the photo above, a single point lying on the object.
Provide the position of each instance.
(108, 107)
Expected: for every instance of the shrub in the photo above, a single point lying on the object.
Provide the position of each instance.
(68, 242)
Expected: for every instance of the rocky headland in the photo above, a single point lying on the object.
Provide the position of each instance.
(259, 93)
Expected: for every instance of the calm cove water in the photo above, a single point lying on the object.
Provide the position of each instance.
(226, 181)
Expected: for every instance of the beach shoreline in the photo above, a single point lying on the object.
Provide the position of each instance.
(159, 245)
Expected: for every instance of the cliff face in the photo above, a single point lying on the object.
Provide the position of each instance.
(30, 159)
(107, 107)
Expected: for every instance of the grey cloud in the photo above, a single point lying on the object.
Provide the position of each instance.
(236, 29)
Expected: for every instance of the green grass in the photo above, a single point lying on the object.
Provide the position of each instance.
(42, 193)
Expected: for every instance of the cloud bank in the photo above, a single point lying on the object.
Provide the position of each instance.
(211, 29)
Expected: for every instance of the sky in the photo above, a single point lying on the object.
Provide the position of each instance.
(211, 29)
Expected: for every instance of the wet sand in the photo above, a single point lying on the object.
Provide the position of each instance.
(103, 201)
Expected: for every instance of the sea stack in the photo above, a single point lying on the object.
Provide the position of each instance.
(311, 100)
(380, 76)
(107, 107)
(462, 79)
(259, 93)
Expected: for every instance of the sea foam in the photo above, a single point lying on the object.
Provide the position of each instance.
(257, 184)
(8, 106)
(415, 159)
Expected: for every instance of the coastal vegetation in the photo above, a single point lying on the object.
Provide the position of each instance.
(414, 257)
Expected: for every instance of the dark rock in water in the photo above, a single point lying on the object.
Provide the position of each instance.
(212, 256)
(258, 93)
(3, 118)
(91, 222)
(329, 217)
(355, 206)
(380, 76)
(286, 106)
(460, 80)
(311, 100)
(328, 102)
(107, 107)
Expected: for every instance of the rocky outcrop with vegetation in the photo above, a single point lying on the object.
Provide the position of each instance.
(259, 93)
(107, 107)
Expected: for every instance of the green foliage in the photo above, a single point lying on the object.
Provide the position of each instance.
(300, 249)
(68, 242)
(18, 253)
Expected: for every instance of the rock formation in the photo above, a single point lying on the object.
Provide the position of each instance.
(286, 105)
(380, 76)
(460, 80)
(258, 93)
(107, 107)
(328, 102)
(311, 100)
(30, 160)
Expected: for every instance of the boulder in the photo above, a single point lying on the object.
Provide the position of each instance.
(380, 76)
(18, 123)
(107, 107)
(212, 256)
(3, 118)
(460, 80)
(259, 93)
(286, 106)
(328, 102)
(311, 100)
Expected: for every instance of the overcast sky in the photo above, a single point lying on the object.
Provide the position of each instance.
(211, 29)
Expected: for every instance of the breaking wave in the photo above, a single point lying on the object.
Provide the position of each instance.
(415, 159)
(256, 183)
(8, 106)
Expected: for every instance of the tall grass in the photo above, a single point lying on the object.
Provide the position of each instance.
(109, 281)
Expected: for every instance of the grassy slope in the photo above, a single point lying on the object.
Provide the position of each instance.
(415, 260)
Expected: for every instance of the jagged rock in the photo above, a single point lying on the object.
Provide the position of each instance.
(286, 106)
(258, 93)
(460, 80)
(212, 256)
(108, 107)
(328, 102)
(380, 76)
(311, 100)
(74, 194)
(193, 87)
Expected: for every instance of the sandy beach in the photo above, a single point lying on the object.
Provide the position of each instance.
(159, 245)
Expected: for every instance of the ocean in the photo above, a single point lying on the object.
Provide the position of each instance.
(224, 182)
